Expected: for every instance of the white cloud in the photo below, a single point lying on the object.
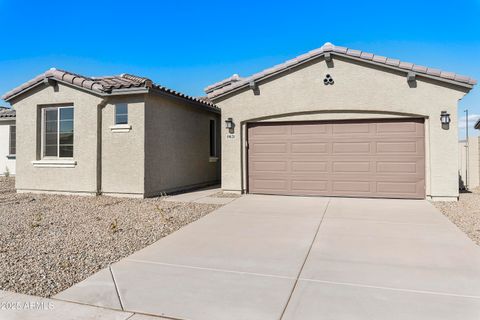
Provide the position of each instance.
(472, 119)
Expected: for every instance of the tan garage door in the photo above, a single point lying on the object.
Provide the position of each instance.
(366, 158)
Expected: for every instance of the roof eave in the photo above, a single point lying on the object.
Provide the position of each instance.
(320, 55)
(424, 75)
(115, 92)
(8, 99)
(200, 104)
(13, 96)
(477, 125)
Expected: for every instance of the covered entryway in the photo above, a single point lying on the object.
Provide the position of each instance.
(358, 158)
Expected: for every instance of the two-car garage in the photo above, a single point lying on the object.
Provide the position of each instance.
(367, 158)
(342, 122)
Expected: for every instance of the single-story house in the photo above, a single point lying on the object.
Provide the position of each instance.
(341, 122)
(115, 135)
(7, 141)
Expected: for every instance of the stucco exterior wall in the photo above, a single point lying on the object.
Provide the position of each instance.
(473, 163)
(177, 153)
(6, 163)
(359, 91)
(79, 179)
(122, 153)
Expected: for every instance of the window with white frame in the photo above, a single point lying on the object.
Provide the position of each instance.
(121, 113)
(57, 132)
(12, 145)
(213, 138)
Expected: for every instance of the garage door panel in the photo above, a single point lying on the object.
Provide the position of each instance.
(367, 158)
(350, 128)
(399, 167)
(309, 129)
(309, 166)
(269, 147)
(269, 130)
(400, 147)
(351, 167)
(399, 187)
(397, 128)
(312, 186)
(270, 184)
(308, 147)
(351, 147)
(260, 166)
(351, 186)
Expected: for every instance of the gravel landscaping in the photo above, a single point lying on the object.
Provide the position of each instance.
(465, 213)
(50, 242)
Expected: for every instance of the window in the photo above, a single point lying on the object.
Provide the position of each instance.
(121, 113)
(12, 150)
(213, 139)
(58, 132)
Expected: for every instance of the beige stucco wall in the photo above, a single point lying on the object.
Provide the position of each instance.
(360, 91)
(81, 178)
(177, 153)
(473, 162)
(122, 153)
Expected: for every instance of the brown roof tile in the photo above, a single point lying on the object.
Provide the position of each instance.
(7, 113)
(101, 85)
(228, 85)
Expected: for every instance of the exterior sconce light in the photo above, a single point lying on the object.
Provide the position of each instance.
(229, 125)
(445, 120)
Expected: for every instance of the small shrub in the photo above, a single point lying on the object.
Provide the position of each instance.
(114, 226)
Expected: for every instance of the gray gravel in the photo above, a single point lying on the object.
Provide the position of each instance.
(465, 213)
(50, 242)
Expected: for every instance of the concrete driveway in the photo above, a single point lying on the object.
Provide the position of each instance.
(277, 257)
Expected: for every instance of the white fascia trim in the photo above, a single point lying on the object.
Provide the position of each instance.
(121, 128)
(54, 163)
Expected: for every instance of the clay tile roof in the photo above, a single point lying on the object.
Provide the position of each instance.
(7, 113)
(102, 85)
(227, 85)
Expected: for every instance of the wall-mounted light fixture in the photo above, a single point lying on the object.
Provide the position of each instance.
(445, 120)
(229, 125)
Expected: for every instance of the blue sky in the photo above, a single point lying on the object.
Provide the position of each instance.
(188, 45)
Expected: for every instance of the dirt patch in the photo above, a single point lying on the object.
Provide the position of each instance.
(465, 213)
(50, 242)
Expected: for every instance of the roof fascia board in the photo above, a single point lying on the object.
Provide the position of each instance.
(424, 75)
(97, 93)
(56, 80)
(120, 92)
(171, 95)
(25, 90)
(332, 53)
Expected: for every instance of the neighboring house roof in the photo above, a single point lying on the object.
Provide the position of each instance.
(7, 113)
(124, 83)
(235, 82)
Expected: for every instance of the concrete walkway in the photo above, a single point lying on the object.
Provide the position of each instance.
(204, 195)
(269, 257)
